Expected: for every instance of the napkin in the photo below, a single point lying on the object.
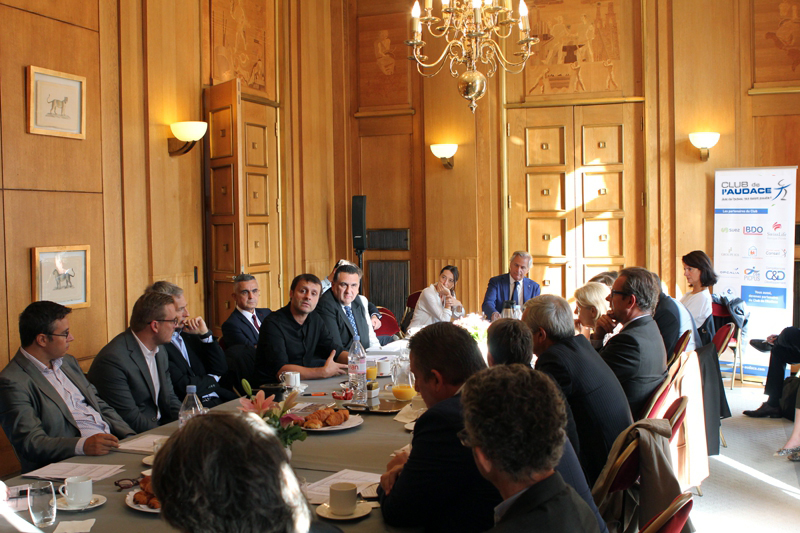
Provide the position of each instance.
(409, 414)
(75, 526)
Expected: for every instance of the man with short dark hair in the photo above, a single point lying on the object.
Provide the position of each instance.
(514, 286)
(593, 393)
(244, 323)
(509, 341)
(295, 339)
(438, 486)
(344, 312)
(48, 410)
(517, 444)
(673, 319)
(131, 372)
(195, 358)
(636, 354)
(234, 477)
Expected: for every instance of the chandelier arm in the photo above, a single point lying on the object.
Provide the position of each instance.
(441, 65)
(439, 60)
(510, 66)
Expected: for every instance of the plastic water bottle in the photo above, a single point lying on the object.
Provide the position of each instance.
(191, 406)
(357, 370)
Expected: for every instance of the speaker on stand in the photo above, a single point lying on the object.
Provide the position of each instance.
(360, 227)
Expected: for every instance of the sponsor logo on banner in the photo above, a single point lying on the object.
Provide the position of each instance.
(753, 230)
(776, 226)
(772, 253)
(751, 274)
(752, 252)
(730, 252)
(729, 273)
(775, 274)
(781, 191)
(730, 230)
(743, 188)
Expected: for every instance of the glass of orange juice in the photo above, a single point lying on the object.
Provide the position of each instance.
(372, 370)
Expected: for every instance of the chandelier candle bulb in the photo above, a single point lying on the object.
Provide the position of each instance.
(415, 25)
(508, 5)
(524, 24)
(428, 5)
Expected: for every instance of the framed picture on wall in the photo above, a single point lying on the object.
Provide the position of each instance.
(56, 103)
(61, 274)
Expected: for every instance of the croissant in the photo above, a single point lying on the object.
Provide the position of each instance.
(312, 424)
(337, 418)
(141, 498)
(154, 503)
(320, 415)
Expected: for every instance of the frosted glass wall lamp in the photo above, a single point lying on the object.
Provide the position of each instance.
(445, 152)
(185, 136)
(704, 141)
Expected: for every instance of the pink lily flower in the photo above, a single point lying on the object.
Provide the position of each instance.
(259, 405)
(290, 418)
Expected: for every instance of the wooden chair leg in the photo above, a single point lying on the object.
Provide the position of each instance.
(699, 491)
(722, 438)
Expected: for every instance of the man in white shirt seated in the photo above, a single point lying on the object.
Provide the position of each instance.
(244, 324)
(47, 408)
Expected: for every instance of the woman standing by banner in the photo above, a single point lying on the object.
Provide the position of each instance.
(700, 274)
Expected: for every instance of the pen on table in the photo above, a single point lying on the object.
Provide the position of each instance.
(315, 394)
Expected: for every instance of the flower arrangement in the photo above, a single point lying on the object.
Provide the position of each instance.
(275, 414)
(475, 325)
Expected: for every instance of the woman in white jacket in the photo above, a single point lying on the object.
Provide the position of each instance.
(436, 303)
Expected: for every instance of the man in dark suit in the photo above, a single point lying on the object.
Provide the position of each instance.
(636, 354)
(438, 487)
(244, 324)
(131, 372)
(48, 410)
(672, 319)
(343, 311)
(195, 358)
(512, 286)
(517, 444)
(592, 391)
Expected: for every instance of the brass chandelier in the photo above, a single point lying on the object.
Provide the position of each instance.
(472, 29)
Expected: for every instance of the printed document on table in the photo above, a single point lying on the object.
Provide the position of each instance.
(319, 492)
(140, 444)
(18, 497)
(61, 471)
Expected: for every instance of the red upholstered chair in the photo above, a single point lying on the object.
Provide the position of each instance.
(723, 338)
(658, 398)
(389, 325)
(673, 518)
(624, 470)
(680, 347)
(411, 304)
(676, 413)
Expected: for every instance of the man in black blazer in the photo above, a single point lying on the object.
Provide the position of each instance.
(47, 408)
(195, 358)
(131, 373)
(244, 324)
(672, 319)
(517, 444)
(438, 487)
(592, 391)
(343, 311)
(636, 354)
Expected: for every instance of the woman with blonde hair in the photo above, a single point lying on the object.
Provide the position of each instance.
(590, 304)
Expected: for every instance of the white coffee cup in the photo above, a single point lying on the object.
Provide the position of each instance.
(291, 379)
(384, 368)
(343, 499)
(77, 491)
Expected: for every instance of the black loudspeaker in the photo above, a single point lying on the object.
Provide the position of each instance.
(360, 222)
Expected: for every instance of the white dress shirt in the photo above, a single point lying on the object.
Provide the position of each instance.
(150, 359)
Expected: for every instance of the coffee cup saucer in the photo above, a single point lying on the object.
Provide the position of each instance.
(96, 501)
(362, 509)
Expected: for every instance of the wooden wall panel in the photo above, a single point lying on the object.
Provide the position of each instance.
(175, 183)
(385, 176)
(78, 12)
(778, 143)
(64, 227)
(60, 163)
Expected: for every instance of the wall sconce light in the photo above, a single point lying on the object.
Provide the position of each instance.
(186, 135)
(445, 152)
(704, 141)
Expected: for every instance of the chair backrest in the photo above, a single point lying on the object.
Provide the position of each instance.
(385, 311)
(389, 325)
(408, 314)
(625, 470)
(413, 298)
(680, 346)
(673, 518)
(719, 310)
(676, 413)
(657, 399)
(723, 337)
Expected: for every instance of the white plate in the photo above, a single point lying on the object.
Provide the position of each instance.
(62, 505)
(149, 460)
(353, 421)
(410, 426)
(362, 509)
(137, 506)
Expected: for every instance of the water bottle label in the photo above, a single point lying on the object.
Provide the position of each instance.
(357, 368)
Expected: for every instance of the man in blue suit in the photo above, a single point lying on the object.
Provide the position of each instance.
(512, 286)
(244, 324)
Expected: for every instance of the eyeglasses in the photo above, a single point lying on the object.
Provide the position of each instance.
(123, 484)
(463, 436)
(174, 321)
(65, 334)
(621, 293)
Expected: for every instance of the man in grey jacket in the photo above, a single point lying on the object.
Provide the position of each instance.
(47, 408)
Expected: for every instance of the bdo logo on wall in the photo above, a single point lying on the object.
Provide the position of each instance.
(751, 274)
(753, 230)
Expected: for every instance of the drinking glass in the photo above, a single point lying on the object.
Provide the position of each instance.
(42, 503)
(458, 311)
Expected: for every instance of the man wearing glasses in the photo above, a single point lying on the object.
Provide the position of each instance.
(636, 354)
(47, 408)
(244, 323)
(131, 372)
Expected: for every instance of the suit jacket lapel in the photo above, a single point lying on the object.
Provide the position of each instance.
(138, 358)
(506, 288)
(162, 363)
(44, 386)
(361, 322)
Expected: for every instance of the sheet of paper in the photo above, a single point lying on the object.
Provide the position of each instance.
(142, 444)
(409, 414)
(75, 526)
(18, 502)
(61, 471)
(320, 491)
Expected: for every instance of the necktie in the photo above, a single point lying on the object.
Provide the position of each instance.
(516, 288)
(177, 340)
(255, 322)
(351, 318)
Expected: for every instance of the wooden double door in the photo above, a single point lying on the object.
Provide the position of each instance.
(576, 191)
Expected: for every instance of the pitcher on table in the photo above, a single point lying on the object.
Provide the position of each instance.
(402, 377)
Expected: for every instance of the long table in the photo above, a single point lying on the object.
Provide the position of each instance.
(366, 448)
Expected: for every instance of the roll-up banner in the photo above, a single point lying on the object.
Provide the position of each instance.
(754, 219)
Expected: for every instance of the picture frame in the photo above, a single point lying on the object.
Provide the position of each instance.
(62, 274)
(56, 103)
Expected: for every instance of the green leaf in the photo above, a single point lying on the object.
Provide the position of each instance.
(247, 388)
